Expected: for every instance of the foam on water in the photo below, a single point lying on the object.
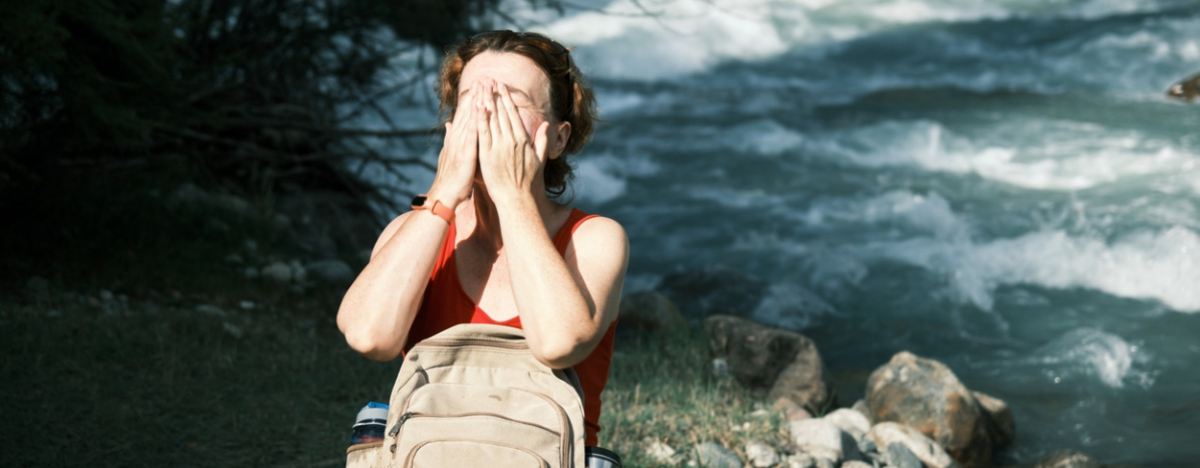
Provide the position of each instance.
(1034, 153)
(651, 40)
(602, 177)
(1094, 353)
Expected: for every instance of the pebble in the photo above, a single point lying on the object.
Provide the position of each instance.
(800, 460)
(660, 452)
(278, 272)
(850, 421)
(822, 439)
(720, 368)
(334, 271)
(761, 455)
(857, 464)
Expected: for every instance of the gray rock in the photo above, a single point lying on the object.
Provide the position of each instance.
(720, 368)
(929, 452)
(899, 456)
(850, 421)
(823, 440)
(713, 290)
(761, 455)
(333, 271)
(106, 295)
(867, 447)
(650, 311)
(924, 393)
(857, 464)
(713, 455)
(278, 272)
(1003, 424)
(1067, 459)
(760, 357)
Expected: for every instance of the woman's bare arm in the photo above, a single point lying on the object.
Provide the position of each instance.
(380, 306)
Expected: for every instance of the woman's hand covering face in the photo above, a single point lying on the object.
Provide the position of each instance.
(459, 156)
(509, 161)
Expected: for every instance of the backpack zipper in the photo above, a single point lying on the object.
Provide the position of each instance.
(564, 438)
(413, 454)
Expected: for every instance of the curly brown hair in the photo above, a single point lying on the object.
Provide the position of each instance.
(571, 99)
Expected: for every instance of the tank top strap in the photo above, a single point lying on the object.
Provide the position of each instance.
(563, 238)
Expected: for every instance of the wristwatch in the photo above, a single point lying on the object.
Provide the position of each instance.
(438, 208)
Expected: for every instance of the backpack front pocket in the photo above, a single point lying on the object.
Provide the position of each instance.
(363, 455)
(459, 453)
(417, 430)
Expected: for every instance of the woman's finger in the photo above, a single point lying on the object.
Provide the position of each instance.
(539, 140)
(493, 122)
(504, 115)
(483, 128)
(511, 119)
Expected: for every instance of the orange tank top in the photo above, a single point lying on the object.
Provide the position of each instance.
(446, 304)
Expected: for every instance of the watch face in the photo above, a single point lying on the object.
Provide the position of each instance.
(418, 200)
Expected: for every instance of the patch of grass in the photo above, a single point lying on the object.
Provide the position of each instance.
(661, 387)
(145, 384)
(170, 382)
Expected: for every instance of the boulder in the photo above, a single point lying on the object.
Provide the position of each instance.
(1186, 90)
(1003, 425)
(650, 311)
(763, 358)
(929, 452)
(713, 455)
(823, 440)
(850, 421)
(925, 394)
(1067, 459)
(761, 455)
(716, 289)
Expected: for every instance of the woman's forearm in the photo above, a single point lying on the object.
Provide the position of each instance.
(561, 321)
(378, 309)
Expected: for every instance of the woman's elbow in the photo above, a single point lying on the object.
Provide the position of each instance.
(561, 354)
(369, 346)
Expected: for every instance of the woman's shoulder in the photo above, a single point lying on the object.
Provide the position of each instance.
(597, 231)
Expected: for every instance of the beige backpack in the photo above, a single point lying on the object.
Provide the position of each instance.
(474, 395)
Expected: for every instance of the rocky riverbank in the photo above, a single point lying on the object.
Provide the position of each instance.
(916, 413)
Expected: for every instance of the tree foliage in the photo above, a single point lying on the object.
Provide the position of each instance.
(254, 96)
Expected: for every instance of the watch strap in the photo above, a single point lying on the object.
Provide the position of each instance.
(439, 209)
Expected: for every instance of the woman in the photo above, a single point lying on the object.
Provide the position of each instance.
(489, 243)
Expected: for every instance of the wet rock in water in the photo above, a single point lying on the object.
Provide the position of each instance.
(823, 440)
(791, 411)
(850, 421)
(278, 272)
(713, 455)
(1067, 459)
(898, 455)
(925, 394)
(761, 455)
(1187, 90)
(713, 290)
(650, 311)
(929, 452)
(660, 452)
(333, 271)
(1004, 427)
(785, 362)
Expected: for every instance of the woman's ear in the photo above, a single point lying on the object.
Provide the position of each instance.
(562, 134)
